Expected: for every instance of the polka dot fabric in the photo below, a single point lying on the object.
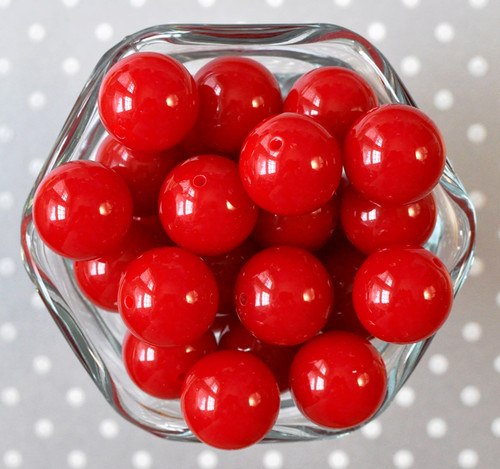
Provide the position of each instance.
(447, 414)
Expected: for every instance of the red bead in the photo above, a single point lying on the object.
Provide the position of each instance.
(370, 226)
(204, 207)
(236, 93)
(402, 294)
(168, 296)
(290, 165)
(394, 154)
(144, 173)
(82, 210)
(284, 295)
(338, 380)
(230, 399)
(308, 231)
(148, 101)
(99, 278)
(160, 371)
(334, 96)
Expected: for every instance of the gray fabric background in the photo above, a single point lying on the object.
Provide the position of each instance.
(447, 416)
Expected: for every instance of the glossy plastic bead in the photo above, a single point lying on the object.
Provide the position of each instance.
(236, 93)
(284, 295)
(230, 399)
(204, 207)
(402, 294)
(148, 101)
(290, 165)
(82, 210)
(338, 380)
(160, 371)
(334, 96)
(394, 154)
(168, 296)
(370, 226)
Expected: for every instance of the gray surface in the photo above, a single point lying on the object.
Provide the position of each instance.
(52, 416)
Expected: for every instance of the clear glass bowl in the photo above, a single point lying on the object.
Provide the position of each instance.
(288, 51)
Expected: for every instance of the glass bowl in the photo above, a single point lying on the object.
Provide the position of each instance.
(288, 51)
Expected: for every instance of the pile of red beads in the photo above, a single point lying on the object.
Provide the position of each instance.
(252, 242)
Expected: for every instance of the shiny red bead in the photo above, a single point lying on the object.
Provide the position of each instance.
(338, 380)
(230, 399)
(204, 207)
(148, 101)
(284, 295)
(160, 371)
(82, 210)
(168, 296)
(236, 93)
(370, 226)
(290, 165)
(402, 294)
(394, 154)
(334, 96)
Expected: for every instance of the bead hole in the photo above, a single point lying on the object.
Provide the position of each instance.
(275, 144)
(199, 181)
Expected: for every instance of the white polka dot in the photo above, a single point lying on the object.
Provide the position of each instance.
(405, 397)
(6, 200)
(4, 3)
(438, 364)
(10, 396)
(478, 3)
(42, 364)
(376, 31)
(137, 3)
(6, 134)
(338, 459)
(496, 364)
(472, 332)
(444, 32)
(36, 302)
(478, 199)
(272, 459)
(410, 66)
(142, 460)
(77, 459)
(37, 100)
(207, 460)
(275, 3)
(71, 66)
(476, 133)
(12, 458)
(44, 428)
(75, 397)
(495, 427)
(206, 3)
(403, 459)
(7, 267)
(411, 3)
(436, 428)
(104, 31)
(342, 3)
(36, 32)
(5, 66)
(470, 396)
(70, 3)
(8, 332)
(468, 458)
(35, 166)
(477, 66)
(372, 430)
(477, 267)
(443, 100)
(109, 429)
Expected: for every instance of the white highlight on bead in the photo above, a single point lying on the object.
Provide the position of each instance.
(75, 397)
(495, 427)
(468, 458)
(77, 459)
(470, 396)
(42, 364)
(372, 430)
(411, 66)
(476, 133)
(44, 428)
(443, 100)
(71, 66)
(478, 66)
(377, 31)
(36, 32)
(12, 458)
(477, 267)
(109, 429)
(5, 66)
(403, 459)
(438, 364)
(444, 32)
(472, 332)
(272, 459)
(104, 31)
(37, 100)
(207, 460)
(436, 428)
(338, 459)
(8, 332)
(142, 460)
(6, 134)
(6, 200)
(10, 396)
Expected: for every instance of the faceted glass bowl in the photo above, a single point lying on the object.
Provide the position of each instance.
(288, 51)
